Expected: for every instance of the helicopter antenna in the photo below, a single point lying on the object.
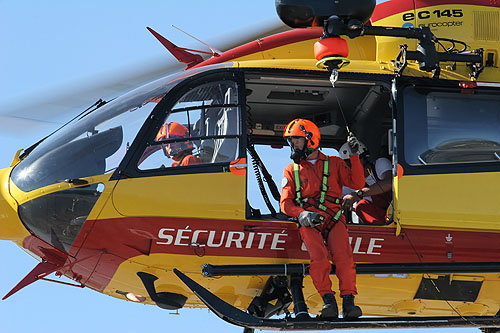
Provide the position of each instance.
(215, 52)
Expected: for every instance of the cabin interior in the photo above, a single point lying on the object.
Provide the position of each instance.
(273, 100)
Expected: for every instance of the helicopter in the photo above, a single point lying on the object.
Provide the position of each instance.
(91, 202)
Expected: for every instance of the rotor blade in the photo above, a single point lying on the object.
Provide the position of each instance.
(47, 109)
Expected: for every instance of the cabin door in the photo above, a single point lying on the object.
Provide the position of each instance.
(447, 154)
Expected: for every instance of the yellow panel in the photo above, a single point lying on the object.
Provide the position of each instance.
(449, 201)
(104, 208)
(486, 25)
(461, 73)
(239, 291)
(22, 197)
(357, 66)
(477, 26)
(208, 195)
(11, 227)
(378, 295)
(370, 54)
(361, 48)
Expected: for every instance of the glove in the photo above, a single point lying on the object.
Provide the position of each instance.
(353, 144)
(310, 219)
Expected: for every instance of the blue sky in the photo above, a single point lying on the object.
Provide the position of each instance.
(52, 48)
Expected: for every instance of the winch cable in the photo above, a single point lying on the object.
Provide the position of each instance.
(333, 78)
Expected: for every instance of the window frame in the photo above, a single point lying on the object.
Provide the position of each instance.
(146, 136)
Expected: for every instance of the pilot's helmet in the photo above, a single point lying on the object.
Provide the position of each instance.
(344, 151)
(174, 130)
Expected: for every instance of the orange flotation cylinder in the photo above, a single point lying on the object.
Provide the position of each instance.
(331, 46)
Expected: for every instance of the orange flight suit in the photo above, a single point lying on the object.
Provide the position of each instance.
(186, 160)
(337, 248)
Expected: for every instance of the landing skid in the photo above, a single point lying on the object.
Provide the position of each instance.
(237, 317)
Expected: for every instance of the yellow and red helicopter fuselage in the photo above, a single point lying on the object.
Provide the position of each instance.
(101, 227)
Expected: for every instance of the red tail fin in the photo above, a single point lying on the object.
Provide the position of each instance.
(43, 268)
(179, 53)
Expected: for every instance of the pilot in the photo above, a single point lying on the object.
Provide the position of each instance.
(181, 151)
(374, 198)
(311, 188)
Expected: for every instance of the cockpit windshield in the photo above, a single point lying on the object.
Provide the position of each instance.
(95, 143)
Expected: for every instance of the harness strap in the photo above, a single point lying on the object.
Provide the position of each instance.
(324, 185)
(329, 228)
(322, 197)
(311, 202)
(296, 176)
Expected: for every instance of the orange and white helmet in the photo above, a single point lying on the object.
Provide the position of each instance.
(174, 130)
(306, 129)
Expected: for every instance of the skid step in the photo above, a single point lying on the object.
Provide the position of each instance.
(238, 317)
(209, 270)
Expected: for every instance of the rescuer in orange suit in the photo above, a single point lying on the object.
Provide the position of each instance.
(316, 205)
(182, 151)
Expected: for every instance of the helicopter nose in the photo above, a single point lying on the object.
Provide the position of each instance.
(11, 227)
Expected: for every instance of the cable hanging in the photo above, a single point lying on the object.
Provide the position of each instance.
(258, 167)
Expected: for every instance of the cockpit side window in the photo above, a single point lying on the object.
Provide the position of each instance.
(447, 127)
(203, 127)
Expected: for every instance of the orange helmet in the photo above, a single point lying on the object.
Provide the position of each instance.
(304, 128)
(174, 130)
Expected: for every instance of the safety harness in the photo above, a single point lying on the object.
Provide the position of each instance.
(305, 202)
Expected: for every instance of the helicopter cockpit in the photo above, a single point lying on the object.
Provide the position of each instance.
(94, 143)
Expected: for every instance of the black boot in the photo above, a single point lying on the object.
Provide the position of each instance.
(330, 310)
(349, 310)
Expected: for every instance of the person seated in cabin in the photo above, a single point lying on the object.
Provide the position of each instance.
(370, 203)
(180, 151)
(311, 188)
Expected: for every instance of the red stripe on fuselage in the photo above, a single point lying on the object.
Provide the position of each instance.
(106, 244)
(265, 43)
(393, 7)
(390, 8)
